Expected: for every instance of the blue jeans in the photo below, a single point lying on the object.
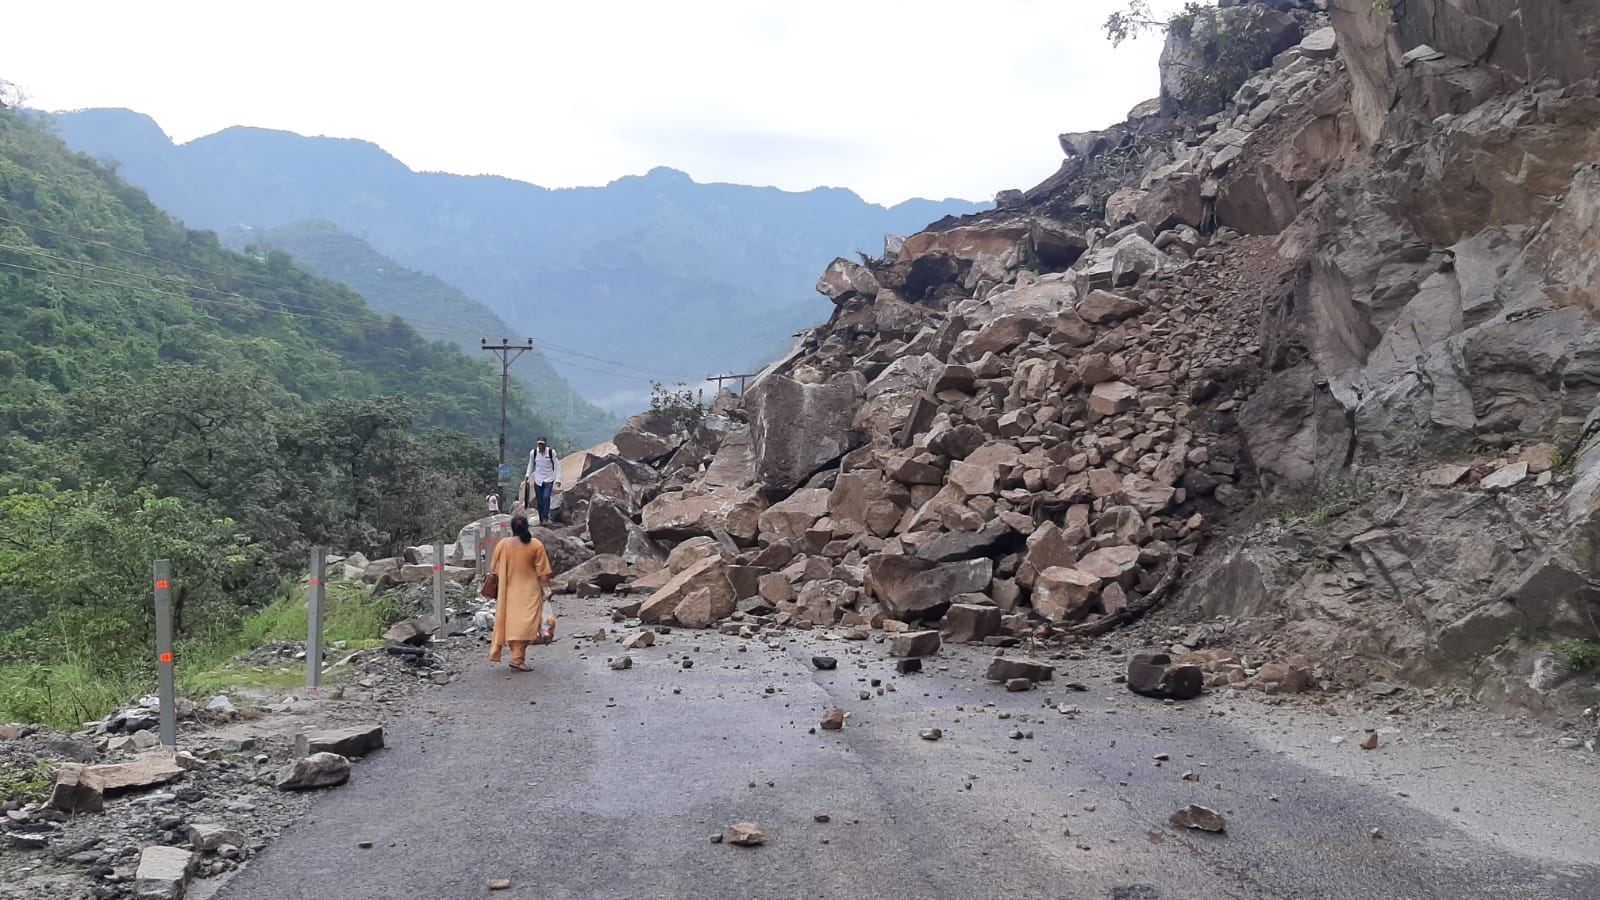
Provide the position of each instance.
(541, 494)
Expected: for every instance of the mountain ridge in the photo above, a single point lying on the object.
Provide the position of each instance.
(725, 272)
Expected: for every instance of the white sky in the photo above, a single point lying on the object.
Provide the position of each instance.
(891, 98)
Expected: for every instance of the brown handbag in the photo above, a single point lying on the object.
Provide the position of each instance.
(491, 586)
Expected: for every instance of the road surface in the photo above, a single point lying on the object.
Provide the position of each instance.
(580, 781)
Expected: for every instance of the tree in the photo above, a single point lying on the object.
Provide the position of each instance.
(1221, 48)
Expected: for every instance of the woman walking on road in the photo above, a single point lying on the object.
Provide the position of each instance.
(523, 568)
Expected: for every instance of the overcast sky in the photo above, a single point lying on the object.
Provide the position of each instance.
(891, 98)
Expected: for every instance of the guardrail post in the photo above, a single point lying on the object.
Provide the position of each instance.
(319, 576)
(166, 683)
(438, 587)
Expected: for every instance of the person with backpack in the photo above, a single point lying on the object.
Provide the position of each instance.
(545, 473)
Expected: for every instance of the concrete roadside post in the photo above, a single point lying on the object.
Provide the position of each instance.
(438, 587)
(319, 565)
(166, 683)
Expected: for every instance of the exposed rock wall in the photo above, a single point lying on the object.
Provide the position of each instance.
(1379, 259)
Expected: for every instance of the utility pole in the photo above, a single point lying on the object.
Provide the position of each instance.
(508, 353)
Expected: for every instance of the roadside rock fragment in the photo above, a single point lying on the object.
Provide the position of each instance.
(319, 770)
(1006, 668)
(915, 643)
(358, 741)
(833, 720)
(1154, 675)
(1199, 818)
(745, 834)
(163, 873)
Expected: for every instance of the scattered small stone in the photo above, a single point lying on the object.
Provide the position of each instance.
(626, 662)
(833, 720)
(1019, 684)
(364, 845)
(745, 834)
(825, 663)
(823, 818)
(1199, 818)
(930, 734)
(908, 666)
(499, 884)
(1371, 742)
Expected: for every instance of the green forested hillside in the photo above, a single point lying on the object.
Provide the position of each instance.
(433, 307)
(164, 397)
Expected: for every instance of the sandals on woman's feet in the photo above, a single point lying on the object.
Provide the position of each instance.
(521, 667)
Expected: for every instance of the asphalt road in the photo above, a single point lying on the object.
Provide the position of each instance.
(578, 781)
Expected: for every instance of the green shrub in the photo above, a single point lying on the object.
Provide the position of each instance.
(1581, 655)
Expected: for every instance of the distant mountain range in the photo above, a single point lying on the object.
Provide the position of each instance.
(652, 277)
(417, 297)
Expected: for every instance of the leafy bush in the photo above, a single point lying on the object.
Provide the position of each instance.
(1581, 655)
(1227, 46)
(680, 406)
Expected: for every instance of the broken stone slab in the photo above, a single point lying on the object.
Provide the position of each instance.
(1505, 477)
(77, 790)
(412, 631)
(1199, 818)
(909, 666)
(1005, 668)
(1320, 44)
(915, 643)
(163, 873)
(1112, 398)
(964, 622)
(359, 740)
(1154, 675)
(639, 639)
(319, 770)
(208, 836)
(1106, 308)
(83, 788)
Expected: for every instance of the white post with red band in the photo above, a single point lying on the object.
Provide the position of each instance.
(319, 577)
(438, 587)
(166, 683)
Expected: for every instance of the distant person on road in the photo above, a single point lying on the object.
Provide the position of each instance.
(524, 572)
(494, 503)
(545, 473)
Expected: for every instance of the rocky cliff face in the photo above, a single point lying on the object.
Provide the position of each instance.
(1323, 363)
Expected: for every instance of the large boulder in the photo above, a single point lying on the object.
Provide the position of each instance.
(676, 515)
(845, 280)
(865, 501)
(792, 517)
(798, 429)
(647, 436)
(1064, 593)
(706, 581)
(1173, 202)
(912, 589)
